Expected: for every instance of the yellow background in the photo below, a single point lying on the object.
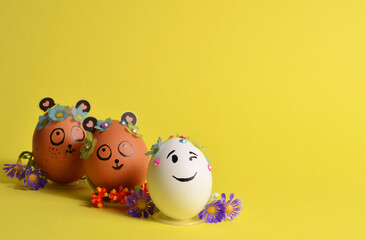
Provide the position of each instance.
(275, 91)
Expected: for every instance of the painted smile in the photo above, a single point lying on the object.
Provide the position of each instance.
(185, 179)
(117, 167)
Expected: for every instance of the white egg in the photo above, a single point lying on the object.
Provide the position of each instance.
(179, 179)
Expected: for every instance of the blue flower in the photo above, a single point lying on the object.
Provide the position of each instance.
(103, 125)
(35, 179)
(43, 122)
(154, 148)
(215, 212)
(78, 113)
(59, 112)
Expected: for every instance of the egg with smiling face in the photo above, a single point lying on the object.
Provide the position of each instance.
(179, 179)
(119, 156)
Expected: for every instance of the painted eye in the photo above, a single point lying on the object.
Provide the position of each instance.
(57, 136)
(192, 157)
(125, 149)
(104, 152)
(175, 158)
(77, 133)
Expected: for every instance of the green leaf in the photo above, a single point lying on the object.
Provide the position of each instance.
(89, 136)
(136, 188)
(94, 143)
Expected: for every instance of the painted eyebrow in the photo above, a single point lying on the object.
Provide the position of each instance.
(193, 153)
(170, 153)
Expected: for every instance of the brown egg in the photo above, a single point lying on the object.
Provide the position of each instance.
(56, 148)
(118, 157)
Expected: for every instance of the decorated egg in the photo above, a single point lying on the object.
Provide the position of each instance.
(114, 152)
(179, 178)
(57, 140)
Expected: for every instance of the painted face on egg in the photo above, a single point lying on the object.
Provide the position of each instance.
(119, 155)
(57, 142)
(179, 179)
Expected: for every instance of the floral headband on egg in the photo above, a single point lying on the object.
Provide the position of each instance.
(128, 119)
(59, 112)
(155, 148)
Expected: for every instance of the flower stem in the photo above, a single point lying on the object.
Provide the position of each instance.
(26, 155)
(90, 185)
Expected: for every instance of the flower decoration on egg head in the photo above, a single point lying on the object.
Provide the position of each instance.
(78, 113)
(154, 148)
(129, 120)
(59, 112)
(196, 144)
(88, 147)
(43, 121)
(133, 129)
(103, 125)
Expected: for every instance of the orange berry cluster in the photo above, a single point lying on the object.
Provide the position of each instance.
(114, 196)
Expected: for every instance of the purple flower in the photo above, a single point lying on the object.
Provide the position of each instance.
(17, 170)
(232, 207)
(140, 203)
(35, 179)
(215, 212)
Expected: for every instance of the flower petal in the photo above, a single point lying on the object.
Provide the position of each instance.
(223, 196)
(231, 196)
(146, 215)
